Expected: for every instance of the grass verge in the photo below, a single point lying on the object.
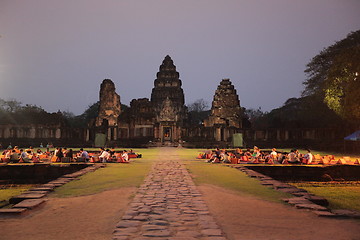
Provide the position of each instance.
(228, 178)
(340, 195)
(113, 176)
(8, 191)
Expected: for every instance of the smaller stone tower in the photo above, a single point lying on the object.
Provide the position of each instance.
(110, 107)
(226, 113)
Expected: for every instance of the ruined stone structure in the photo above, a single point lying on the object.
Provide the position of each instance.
(167, 98)
(110, 108)
(226, 114)
(163, 118)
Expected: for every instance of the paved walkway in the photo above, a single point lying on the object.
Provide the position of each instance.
(168, 206)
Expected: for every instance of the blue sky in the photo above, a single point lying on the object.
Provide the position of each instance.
(55, 54)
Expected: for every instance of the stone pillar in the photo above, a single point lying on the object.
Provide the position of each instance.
(115, 133)
(87, 135)
(109, 134)
(32, 133)
(6, 133)
(218, 134)
(57, 133)
(161, 133)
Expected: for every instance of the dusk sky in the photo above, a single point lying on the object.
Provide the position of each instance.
(55, 54)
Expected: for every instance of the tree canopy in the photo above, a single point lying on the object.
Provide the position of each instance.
(333, 75)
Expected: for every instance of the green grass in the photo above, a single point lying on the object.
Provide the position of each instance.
(340, 195)
(111, 177)
(226, 177)
(9, 191)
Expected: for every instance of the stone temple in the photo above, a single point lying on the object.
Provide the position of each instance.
(164, 118)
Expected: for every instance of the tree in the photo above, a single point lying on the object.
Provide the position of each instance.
(253, 114)
(11, 105)
(198, 111)
(199, 105)
(333, 75)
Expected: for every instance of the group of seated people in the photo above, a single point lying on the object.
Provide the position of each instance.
(104, 155)
(257, 156)
(112, 156)
(18, 155)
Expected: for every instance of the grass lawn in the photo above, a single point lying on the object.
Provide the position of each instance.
(113, 176)
(340, 195)
(226, 177)
(8, 191)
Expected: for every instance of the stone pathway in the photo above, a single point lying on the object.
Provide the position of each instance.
(168, 206)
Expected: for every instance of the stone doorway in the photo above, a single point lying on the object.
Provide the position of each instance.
(167, 134)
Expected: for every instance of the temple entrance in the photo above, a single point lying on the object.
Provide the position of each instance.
(167, 134)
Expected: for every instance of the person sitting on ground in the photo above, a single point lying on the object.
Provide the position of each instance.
(104, 155)
(238, 153)
(28, 157)
(270, 158)
(16, 148)
(255, 157)
(14, 157)
(6, 157)
(308, 157)
(31, 149)
(59, 154)
(225, 158)
(69, 154)
(125, 156)
(84, 154)
(23, 154)
(215, 158)
(293, 157)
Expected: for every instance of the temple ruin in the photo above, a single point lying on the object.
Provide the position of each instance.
(163, 119)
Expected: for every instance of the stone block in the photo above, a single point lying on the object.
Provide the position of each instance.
(325, 214)
(157, 233)
(29, 203)
(19, 198)
(311, 207)
(319, 200)
(346, 213)
(12, 211)
(37, 189)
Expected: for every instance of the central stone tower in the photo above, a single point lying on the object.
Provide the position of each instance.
(167, 98)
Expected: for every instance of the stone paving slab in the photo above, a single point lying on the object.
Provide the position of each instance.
(311, 207)
(19, 198)
(37, 189)
(318, 200)
(12, 211)
(168, 206)
(30, 203)
(346, 213)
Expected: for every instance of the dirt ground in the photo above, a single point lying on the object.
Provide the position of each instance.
(88, 217)
(244, 217)
(241, 217)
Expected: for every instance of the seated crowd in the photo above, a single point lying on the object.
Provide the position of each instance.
(257, 156)
(17, 155)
